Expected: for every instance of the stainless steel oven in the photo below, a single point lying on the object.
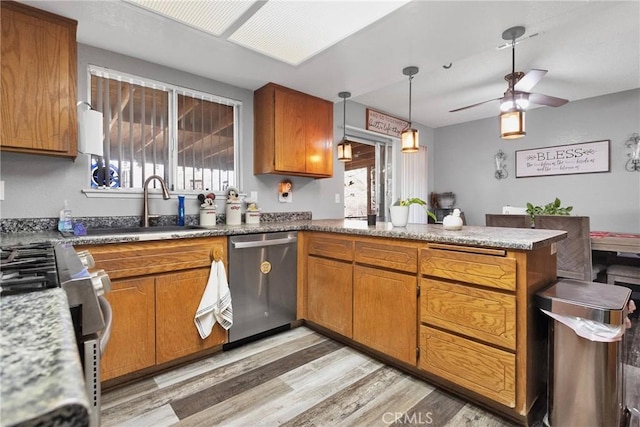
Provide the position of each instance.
(35, 267)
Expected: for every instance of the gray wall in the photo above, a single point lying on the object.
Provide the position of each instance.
(460, 156)
(36, 186)
(464, 163)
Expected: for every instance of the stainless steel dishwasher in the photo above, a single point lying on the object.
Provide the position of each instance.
(262, 280)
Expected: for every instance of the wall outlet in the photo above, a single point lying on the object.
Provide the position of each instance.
(2, 190)
(254, 196)
(337, 197)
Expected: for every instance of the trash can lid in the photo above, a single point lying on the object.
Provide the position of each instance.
(600, 302)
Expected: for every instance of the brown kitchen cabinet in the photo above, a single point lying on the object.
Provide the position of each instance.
(384, 312)
(329, 282)
(477, 325)
(38, 82)
(293, 133)
(156, 290)
(330, 294)
(132, 345)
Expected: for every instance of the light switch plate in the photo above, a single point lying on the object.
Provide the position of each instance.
(2, 190)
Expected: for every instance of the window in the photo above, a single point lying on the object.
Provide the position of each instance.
(151, 128)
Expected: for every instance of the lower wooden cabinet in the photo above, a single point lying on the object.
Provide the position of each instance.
(477, 367)
(385, 311)
(330, 294)
(177, 298)
(132, 345)
(156, 290)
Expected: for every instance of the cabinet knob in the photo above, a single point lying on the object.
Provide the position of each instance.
(216, 253)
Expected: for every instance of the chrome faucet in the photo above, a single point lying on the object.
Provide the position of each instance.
(145, 203)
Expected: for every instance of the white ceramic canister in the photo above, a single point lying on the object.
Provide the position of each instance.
(208, 216)
(252, 217)
(233, 213)
(453, 221)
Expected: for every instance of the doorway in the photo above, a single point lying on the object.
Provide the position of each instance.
(367, 180)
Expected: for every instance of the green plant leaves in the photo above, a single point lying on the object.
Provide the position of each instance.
(552, 208)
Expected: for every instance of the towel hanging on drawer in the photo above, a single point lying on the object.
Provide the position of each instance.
(215, 305)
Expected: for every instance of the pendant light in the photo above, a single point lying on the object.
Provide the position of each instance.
(344, 147)
(409, 136)
(513, 104)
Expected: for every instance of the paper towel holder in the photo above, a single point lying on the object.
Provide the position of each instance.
(90, 139)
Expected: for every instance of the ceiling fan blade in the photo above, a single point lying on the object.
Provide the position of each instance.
(551, 101)
(529, 80)
(474, 105)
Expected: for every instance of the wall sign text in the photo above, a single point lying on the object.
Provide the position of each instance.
(586, 157)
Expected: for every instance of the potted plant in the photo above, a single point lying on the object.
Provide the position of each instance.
(552, 208)
(400, 211)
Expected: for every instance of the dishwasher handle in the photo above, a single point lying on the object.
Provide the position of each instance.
(262, 243)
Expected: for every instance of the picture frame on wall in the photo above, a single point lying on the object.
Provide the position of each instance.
(570, 159)
(385, 124)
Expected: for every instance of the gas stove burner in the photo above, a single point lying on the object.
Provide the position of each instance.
(27, 268)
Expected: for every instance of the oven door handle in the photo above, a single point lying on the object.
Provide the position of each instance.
(108, 317)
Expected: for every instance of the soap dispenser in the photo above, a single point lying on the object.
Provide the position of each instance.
(180, 210)
(65, 221)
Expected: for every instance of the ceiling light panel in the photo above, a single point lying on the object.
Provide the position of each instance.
(294, 31)
(214, 17)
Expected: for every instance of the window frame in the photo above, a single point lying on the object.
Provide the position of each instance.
(172, 156)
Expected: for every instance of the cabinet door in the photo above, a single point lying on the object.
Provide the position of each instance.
(319, 141)
(290, 147)
(132, 344)
(385, 312)
(177, 298)
(38, 83)
(330, 294)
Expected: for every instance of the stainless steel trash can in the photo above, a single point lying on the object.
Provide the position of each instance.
(586, 373)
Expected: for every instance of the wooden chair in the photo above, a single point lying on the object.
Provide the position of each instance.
(513, 221)
(574, 252)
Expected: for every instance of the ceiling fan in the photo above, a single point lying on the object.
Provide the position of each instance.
(518, 93)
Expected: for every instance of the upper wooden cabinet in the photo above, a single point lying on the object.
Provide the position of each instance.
(293, 133)
(38, 84)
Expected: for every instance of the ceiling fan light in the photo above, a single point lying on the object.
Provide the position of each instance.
(519, 101)
(410, 140)
(344, 151)
(512, 124)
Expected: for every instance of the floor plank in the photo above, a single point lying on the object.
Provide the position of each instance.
(296, 378)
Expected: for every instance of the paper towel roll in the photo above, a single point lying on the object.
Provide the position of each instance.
(91, 132)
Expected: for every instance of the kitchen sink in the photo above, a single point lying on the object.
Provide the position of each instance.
(137, 230)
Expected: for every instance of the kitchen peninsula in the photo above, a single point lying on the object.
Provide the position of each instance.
(451, 307)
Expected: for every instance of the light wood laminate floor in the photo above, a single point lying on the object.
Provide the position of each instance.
(296, 378)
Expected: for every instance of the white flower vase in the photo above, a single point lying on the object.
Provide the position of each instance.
(399, 215)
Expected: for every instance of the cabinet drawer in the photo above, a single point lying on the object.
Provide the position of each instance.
(479, 313)
(384, 254)
(330, 247)
(488, 270)
(477, 367)
(132, 259)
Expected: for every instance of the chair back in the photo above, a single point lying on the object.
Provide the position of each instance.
(574, 252)
(513, 221)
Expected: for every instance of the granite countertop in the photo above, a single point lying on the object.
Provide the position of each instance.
(39, 363)
(42, 378)
(492, 237)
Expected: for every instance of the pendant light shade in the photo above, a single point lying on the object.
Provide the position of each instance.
(409, 136)
(344, 146)
(512, 124)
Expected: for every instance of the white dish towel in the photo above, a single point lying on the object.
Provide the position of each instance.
(215, 304)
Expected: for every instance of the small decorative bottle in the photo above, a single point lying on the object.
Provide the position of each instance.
(180, 210)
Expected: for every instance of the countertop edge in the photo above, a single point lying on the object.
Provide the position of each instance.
(491, 237)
